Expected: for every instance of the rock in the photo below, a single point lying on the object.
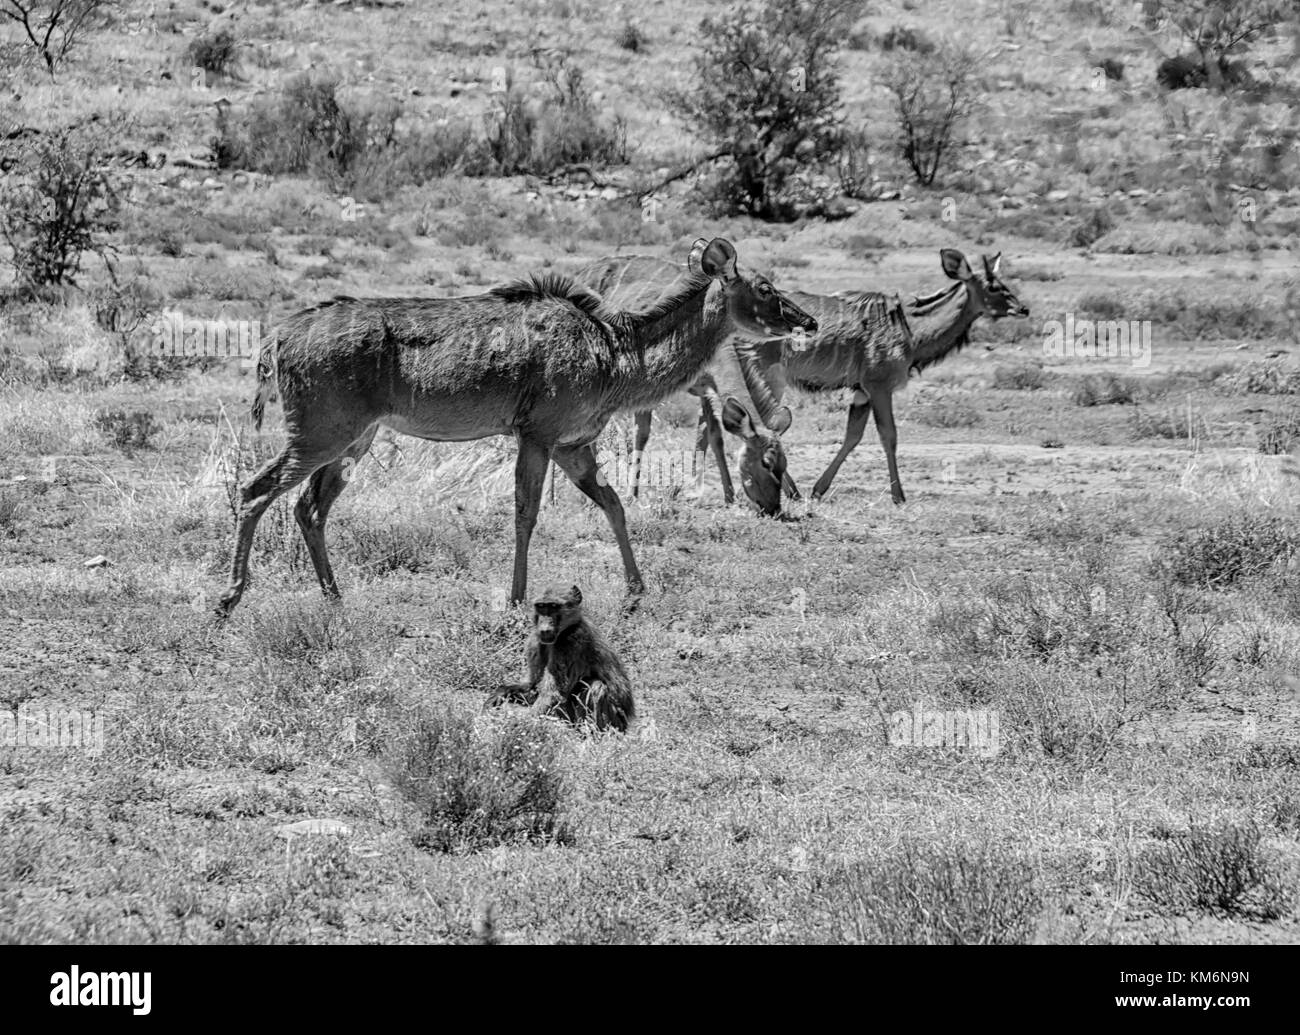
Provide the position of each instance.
(99, 561)
(839, 208)
(1058, 195)
(308, 827)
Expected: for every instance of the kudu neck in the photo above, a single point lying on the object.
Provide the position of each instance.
(943, 325)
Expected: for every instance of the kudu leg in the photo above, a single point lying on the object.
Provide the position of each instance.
(700, 458)
(718, 444)
(272, 481)
(530, 476)
(882, 402)
(857, 423)
(313, 507)
(643, 418)
(579, 463)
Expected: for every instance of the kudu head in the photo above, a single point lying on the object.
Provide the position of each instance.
(757, 309)
(991, 295)
(762, 462)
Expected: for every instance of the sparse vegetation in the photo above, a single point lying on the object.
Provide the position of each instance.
(480, 783)
(60, 201)
(934, 92)
(1222, 868)
(924, 894)
(1231, 550)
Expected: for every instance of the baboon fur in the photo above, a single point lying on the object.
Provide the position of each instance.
(573, 672)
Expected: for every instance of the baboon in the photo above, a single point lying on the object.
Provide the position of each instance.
(573, 672)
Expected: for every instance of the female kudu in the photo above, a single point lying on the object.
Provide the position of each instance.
(543, 359)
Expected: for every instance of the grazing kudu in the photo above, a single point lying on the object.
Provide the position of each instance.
(543, 359)
(732, 390)
(874, 357)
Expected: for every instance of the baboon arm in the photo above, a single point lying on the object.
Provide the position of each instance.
(548, 694)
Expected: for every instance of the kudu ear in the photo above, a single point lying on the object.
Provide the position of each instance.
(954, 264)
(994, 266)
(735, 418)
(719, 260)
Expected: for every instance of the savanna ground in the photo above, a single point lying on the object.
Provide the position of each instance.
(1100, 554)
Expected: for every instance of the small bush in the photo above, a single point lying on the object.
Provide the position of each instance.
(484, 782)
(1231, 550)
(402, 542)
(1104, 390)
(1261, 378)
(60, 201)
(933, 92)
(1221, 869)
(948, 414)
(1018, 377)
(214, 52)
(630, 37)
(1169, 424)
(1280, 434)
(1094, 225)
(922, 894)
(901, 37)
(10, 505)
(128, 431)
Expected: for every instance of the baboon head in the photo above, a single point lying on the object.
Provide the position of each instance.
(756, 308)
(557, 609)
(994, 297)
(762, 464)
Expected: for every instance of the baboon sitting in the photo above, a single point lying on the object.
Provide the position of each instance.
(573, 672)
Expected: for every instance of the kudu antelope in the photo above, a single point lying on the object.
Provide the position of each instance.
(874, 357)
(732, 390)
(543, 359)
(870, 342)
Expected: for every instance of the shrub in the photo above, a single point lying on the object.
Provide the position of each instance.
(766, 97)
(128, 431)
(1228, 551)
(214, 52)
(630, 37)
(1104, 390)
(1215, 29)
(1096, 224)
(1221, 869)
(948, 414)
(62, 201)
(1018, 377)
(1280, 434)
(922, 894)
(484, 782)
(307, 129)
(901, 37)
(1261, 378)
(933, 93)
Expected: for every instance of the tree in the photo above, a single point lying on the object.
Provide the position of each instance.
(60, 200)
(54, 27)
(766, 96)
(932, 93)
(1219, 28)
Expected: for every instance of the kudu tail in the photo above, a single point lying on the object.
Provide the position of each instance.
(265, 386)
